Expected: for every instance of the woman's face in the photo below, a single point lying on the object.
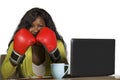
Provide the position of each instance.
(37, 25)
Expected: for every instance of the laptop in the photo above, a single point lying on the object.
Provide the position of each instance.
(92, 57)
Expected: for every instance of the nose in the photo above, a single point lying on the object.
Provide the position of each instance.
(37, 29)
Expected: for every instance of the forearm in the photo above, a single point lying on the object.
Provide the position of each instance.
(62, 60)
(60, 53)
(7, 69)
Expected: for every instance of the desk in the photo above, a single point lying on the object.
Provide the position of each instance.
(77, 78)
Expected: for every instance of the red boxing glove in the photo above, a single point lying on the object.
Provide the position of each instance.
(22, 40)
(48, 38)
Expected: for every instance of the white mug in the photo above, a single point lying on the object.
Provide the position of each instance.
(58, 70)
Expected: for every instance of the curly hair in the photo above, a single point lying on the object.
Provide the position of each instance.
(31, 15)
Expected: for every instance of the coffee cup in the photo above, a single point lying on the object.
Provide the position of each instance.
(58, 70)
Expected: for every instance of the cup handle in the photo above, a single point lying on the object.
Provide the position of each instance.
(66, 70)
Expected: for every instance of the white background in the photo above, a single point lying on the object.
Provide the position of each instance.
(73, 18)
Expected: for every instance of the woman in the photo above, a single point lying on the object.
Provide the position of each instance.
(34, 46)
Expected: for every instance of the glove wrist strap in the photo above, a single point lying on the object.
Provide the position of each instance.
(16, 58)
(55, 55)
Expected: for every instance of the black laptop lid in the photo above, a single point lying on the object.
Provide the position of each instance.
(92, 57)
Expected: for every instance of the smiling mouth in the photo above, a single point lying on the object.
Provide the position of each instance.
(35, 34)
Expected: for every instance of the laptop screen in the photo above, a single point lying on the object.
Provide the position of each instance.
(92, 57)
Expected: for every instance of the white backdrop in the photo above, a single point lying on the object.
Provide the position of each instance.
(73, 18)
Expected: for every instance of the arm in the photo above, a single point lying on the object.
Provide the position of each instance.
(22, 40)
(48, 38)
(62, 52)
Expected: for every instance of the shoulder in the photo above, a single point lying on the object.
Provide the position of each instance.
(61, 46)
(60, 43)
(10, 46)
